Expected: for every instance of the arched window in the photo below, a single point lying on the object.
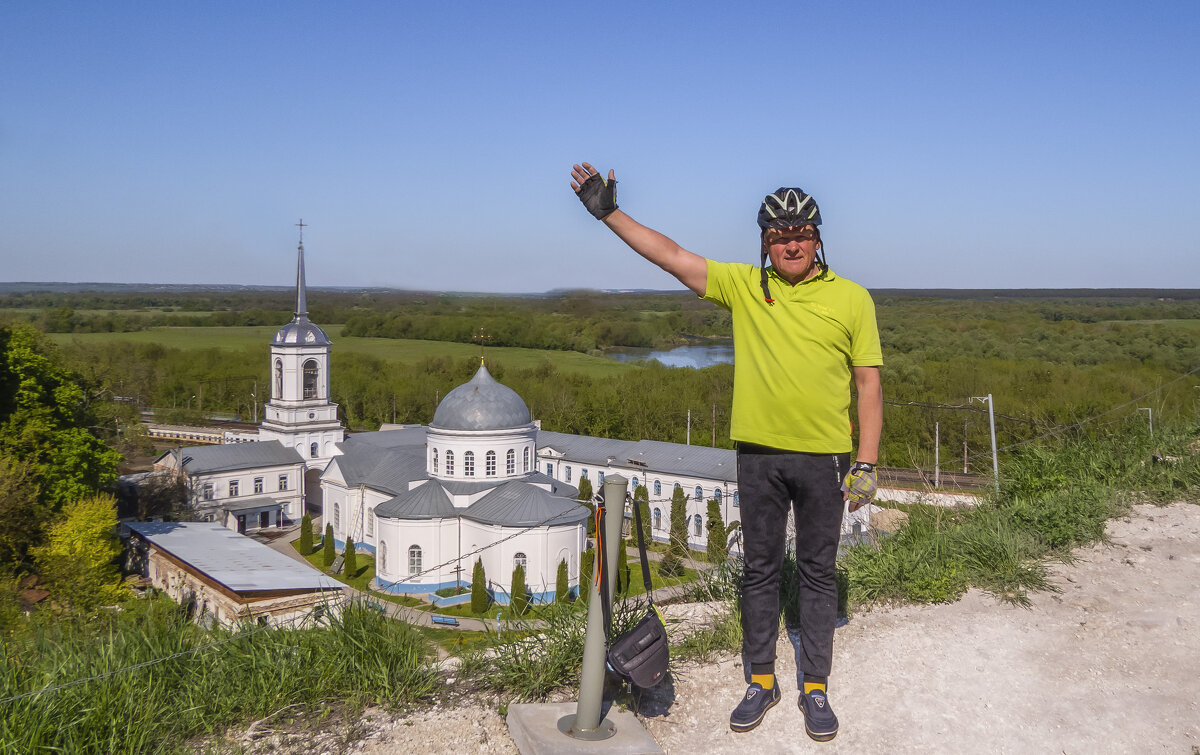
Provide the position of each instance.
(657, 519)
(717, 494)
(435, 461)
(510, 461)
(449, 463)
(310, 379)
(736, 501)
(278, 378)
(371, 522)
(519, 560)
(635, 483)
(699, 492)
(469, 463)
(525, 455)
(414, 559)
(383, 557)
(599, 478)
(697, 524)
(312, 450)
(568, 473)
(337, 515)
(489, 467)
(657, 487)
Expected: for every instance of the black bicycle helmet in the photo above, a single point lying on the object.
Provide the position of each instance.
(787, 207)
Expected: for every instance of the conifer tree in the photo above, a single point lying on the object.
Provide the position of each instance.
(585, 497)
(672, 563)
(641, 497)
(562, 584)
(350, 562)
(716, 533)
(479, 596)
(587, 565)
(306, 540)
(623, 573)
(518, 596)
(328, 554)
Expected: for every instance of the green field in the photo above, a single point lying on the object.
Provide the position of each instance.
(403, 351)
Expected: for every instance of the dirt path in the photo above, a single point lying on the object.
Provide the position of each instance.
(1109, 664)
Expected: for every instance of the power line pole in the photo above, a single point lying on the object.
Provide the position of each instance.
(964, 446)
(992, 425)
(937, 447)
(689, 428)
(714, 442)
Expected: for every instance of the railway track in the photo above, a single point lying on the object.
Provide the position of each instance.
(921, 478)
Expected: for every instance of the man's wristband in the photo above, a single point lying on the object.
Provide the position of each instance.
(862, 466)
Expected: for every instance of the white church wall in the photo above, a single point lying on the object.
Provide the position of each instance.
(459, 443)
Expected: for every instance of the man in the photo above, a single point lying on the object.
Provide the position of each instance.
(800, 334)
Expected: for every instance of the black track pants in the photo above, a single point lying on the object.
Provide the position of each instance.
(770, 481)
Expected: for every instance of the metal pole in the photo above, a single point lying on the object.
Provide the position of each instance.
(586, 723)
(1150, 413)
(937, 467)
(689, 428)
(995, 459)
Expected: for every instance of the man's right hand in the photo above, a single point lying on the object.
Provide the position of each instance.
(598, 196)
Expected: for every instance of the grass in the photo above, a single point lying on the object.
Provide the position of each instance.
(362, 659)
(398, 350)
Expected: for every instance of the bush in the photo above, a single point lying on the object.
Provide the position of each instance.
(328, 555)
(479, 596)
(641, 498)
(519, 594)
(623, 573)
(716, 533)
(585, 497)
(79, 554)
(671, 565)
(306, 538)
(679, 539)
(350, 560)
(562, 583)
(587, 565)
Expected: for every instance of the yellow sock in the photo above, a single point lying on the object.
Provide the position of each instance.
(813, 687)
(766, 681)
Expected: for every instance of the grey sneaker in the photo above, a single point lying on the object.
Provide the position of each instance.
(750, 711)
(819, 721)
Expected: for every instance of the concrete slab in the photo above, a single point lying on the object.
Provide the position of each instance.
(535, 729)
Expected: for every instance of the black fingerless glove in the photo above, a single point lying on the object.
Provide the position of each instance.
(599, 196)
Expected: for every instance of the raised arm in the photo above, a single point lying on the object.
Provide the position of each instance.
(599, 197)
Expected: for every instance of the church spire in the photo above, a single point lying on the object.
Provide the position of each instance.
(301, 294)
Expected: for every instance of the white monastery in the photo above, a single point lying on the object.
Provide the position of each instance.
(481, 482)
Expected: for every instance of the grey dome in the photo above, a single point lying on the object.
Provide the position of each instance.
(481, 404)
(300, 332)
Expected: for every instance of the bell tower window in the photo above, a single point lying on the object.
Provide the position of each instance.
(310, 378)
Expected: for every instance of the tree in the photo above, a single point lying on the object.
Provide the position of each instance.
(328, 555)
(562, 583)
(479, 596)
(623, 573)
(679, 523)
(350, 560)
(716, 533)
(587, 565)
(19, 512)
(306, 541)
(641, 498)
(78, 557)
(585, 497)
(518, 595)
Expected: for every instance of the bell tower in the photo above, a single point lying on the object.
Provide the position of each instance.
(300, 414)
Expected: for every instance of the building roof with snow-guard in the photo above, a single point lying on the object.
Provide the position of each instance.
(236, 561)
(519, 504)
(653, 455)
(428, 501)
(232, 456)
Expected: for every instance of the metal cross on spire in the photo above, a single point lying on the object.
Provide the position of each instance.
(302, 226)
(301, 294)
(482, 337)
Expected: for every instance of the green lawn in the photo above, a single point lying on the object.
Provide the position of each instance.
(401, 350)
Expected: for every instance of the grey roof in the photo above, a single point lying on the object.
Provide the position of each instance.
(519, 504)
(232, 456)
(481, 404)
(653, 455)
(261, 502)
(412, 435)
(428, 501)
(300, 332)
(381, 468)
(236, 561)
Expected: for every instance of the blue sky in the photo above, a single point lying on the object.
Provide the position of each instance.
(428, 146)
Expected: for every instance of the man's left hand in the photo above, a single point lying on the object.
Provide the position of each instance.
(860, 485)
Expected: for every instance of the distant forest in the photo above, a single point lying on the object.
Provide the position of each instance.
(1049, 358)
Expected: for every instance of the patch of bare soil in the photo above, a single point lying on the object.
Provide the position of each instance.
(1110, 663)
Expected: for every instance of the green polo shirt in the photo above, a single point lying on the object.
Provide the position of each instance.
(792, 360)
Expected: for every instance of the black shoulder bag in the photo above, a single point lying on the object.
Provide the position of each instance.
(639, 656)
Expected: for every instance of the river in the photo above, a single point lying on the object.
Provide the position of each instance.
(681, 356)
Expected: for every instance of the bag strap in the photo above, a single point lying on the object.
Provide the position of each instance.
(600, 569)
(637, 524)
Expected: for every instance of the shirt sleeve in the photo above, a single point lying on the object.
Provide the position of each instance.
(864, 339)
(719, 288)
